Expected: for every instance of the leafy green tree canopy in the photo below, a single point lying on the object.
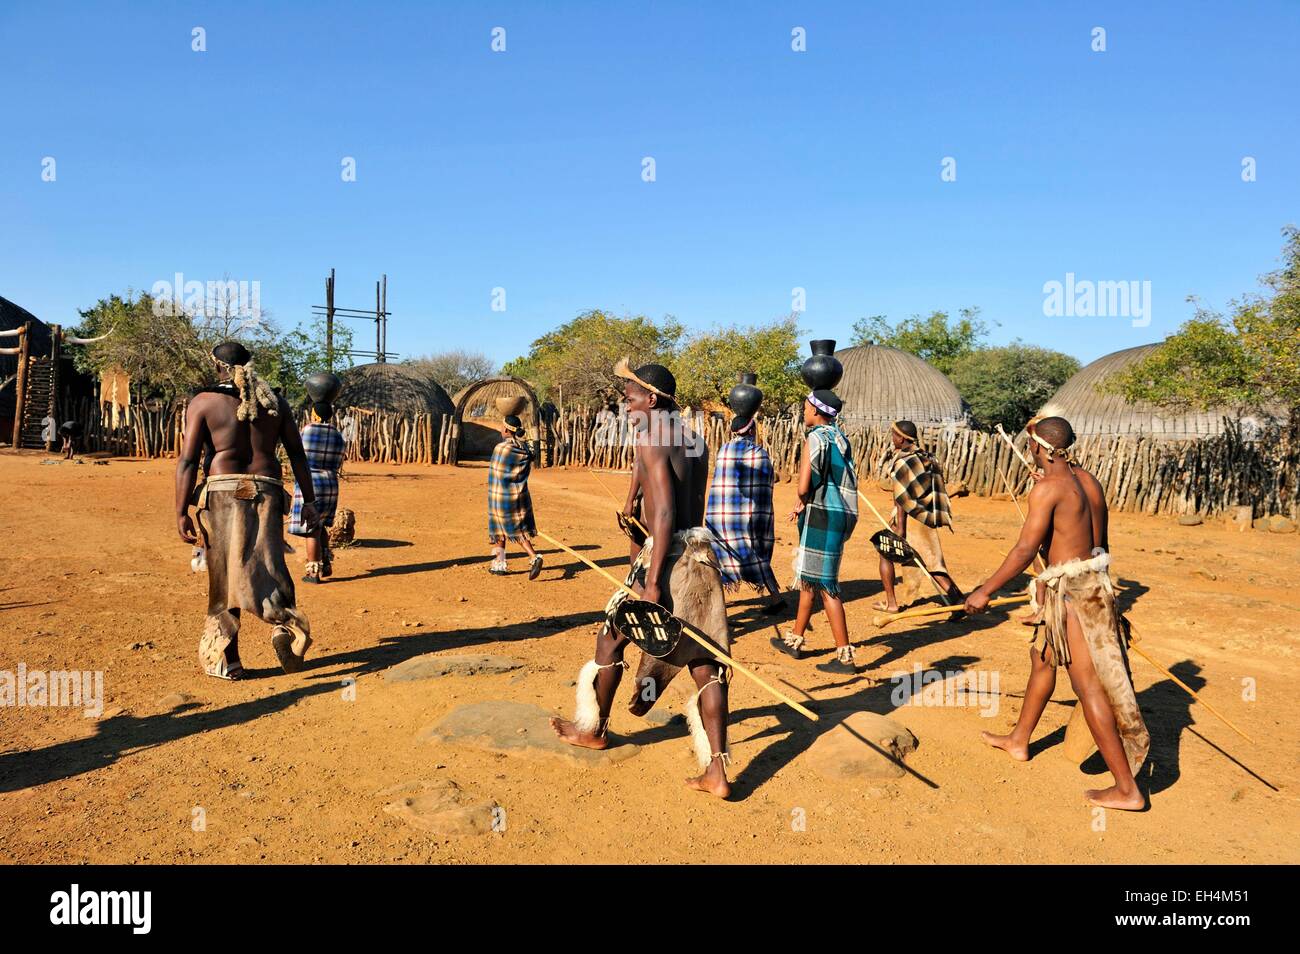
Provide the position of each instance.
(575, 362)
(710, 362)
(935, 337)
(1248, 359)
(1007, 385)
(166, 351)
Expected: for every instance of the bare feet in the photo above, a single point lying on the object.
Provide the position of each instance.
(1030, 618)
(568, 732)
(712, 782)
(1113, 798)
(1007, 743)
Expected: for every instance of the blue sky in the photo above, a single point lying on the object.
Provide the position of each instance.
(775, 169)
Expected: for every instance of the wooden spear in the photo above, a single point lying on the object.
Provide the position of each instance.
(688, 630)
(884, 619)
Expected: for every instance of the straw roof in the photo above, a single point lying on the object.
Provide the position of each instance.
(392, 387)
(1092, 412)
(483, 405)
(883, 384)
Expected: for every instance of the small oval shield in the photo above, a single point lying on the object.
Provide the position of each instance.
(893, 547)
(654, 630)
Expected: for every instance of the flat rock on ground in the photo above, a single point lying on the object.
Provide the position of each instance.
(433, 665)
(441, 807)
(856, 747)
(516, 728)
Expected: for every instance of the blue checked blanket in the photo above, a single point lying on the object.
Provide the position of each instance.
(510, 508)
(828, 519)
(324, 446)
(739, 514)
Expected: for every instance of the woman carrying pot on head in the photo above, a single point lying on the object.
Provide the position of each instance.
(324, 445)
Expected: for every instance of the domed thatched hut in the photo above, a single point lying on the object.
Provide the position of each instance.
(478, 415)
(393, 387)
(883, 384)
(1091, 412)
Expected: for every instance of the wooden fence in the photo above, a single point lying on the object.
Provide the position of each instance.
(1141, 475)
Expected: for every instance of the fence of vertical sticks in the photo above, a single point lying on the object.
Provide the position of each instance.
(1140, 474)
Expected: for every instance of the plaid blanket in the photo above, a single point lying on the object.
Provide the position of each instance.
(739, 513)
(828, 519)
(324, 446)
(510, 508)
(919, 489)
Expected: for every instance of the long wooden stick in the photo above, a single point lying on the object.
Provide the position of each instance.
(884, 619)
(632, 517)
(917, 559)
(1014, 449)
(1006, 482)
(688, 630)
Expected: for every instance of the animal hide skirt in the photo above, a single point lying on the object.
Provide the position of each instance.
(241, 519)
(1084, 587)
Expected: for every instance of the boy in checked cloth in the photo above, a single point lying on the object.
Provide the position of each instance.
(739, 513)
(919, 493)
(510, 506)
(323, 444)
(237, 427)
(1083, 628)
(827, 513)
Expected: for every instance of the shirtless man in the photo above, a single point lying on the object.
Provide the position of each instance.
(1100, 528)
(237, 426)
(1083, 626)
(670, 472)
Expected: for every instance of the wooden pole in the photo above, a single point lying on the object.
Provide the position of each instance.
(688, 630)
(329, 322)
(20, 386)
(884, 619)
(917, 559)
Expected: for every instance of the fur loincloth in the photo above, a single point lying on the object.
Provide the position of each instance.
(241, 519)
(1084, 586)
(692, 591)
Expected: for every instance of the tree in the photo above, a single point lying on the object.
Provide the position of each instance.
(454, 369)
(1006, 385)
(166, 351)
(708, 365)
(1248, 360)
(935, 337)
(287, 359)
(576, 361)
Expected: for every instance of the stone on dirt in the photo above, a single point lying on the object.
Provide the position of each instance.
(441, 807)
(493, 726)
(1190, 520)
(861, 745)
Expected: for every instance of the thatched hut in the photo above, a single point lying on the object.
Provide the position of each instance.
(397, 388)
(883, 384)
(478, 414)
(1091, 411)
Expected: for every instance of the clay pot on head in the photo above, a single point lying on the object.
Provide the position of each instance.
(823, 370)
(744, 399)
(323, 386)
(511, 405)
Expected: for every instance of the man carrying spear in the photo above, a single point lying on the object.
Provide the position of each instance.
(676, 568)
(1083, 629)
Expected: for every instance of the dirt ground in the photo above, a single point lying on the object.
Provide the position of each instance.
(291, 769)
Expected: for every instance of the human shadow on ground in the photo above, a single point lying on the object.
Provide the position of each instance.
(1128, 592)
(794, 734)
(127, 734)
(431, 566)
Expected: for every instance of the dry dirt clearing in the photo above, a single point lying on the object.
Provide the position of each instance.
(179, 767)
